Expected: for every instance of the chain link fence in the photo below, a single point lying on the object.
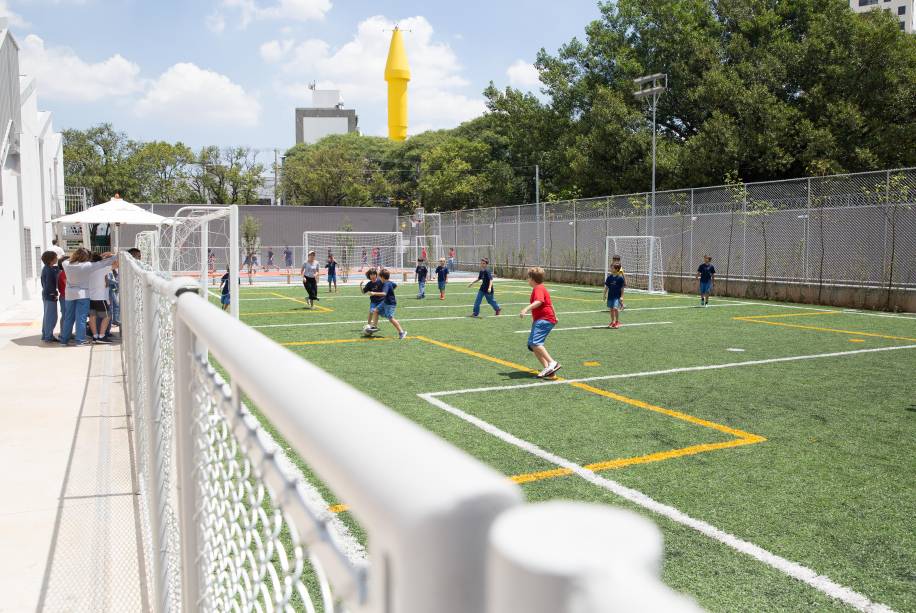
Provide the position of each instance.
(854, 229)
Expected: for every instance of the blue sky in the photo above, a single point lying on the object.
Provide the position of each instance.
(231, 72)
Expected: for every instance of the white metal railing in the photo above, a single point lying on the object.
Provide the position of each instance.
(230, 523)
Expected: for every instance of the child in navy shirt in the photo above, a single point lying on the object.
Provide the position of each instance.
(706, 273)
(389, 301)
(442, 277)
(421, 273)
(485, 277)
(613, 293)
(49, 296)
(373, 286)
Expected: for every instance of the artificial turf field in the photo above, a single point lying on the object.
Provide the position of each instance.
(806, 451)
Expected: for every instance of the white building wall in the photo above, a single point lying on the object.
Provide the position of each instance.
(901, 10)
(316, 128)
(31, 174)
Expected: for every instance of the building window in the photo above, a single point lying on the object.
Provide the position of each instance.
(28, 266)
(903, 25)
(868, 2)
(901, 10)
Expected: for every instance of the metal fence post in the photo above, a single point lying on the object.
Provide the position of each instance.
(151, 406)
(744, 233)
(185, 429)
(690, 248)
(575, 242)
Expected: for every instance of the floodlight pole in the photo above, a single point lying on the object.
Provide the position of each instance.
(652, 85)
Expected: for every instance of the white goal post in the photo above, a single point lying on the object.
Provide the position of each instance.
(356, 250)
(429, 246)
(641, 261)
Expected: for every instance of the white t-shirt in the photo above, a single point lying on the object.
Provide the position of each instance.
(97, 288)
(310, 269)
(58, 250)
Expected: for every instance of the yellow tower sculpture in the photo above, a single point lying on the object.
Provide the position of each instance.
(397, 73)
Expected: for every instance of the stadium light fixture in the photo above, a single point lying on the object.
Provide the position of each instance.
(651, 86)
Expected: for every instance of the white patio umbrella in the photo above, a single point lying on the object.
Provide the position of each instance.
(116, 212)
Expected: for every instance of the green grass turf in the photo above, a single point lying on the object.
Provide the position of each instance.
(831, 488)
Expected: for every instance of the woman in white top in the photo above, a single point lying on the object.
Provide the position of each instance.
(79, 271)
(99, 308)
(311, 272)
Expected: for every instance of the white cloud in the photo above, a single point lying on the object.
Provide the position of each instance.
(249, 10)
(275, 50)
(437, 97)
(186, 93)
(63, 75)
(14, 20)
(523, 75)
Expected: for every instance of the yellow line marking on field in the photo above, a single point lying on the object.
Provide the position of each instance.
(780, 315)
(315, 307)
(857, 340)
(758, 319)
(591, 363)
(338, 508)
(337, 341)
(476, 354)
(741, 437)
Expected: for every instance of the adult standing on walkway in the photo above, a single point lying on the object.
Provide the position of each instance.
(79, 271)
(56, 248)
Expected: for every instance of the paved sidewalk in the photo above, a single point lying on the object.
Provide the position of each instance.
(68, 513)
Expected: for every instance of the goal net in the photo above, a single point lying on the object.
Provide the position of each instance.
(428, 247)
(640, 259)
(356, 251)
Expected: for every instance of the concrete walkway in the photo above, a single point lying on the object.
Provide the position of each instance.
(68, 509)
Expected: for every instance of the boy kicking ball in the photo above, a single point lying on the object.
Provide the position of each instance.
(613, 293)
(543, 320)
(389, 302)
(373, 287)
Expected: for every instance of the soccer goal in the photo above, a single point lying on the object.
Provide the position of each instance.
(356, 251)
(640, 259)
(428, 247)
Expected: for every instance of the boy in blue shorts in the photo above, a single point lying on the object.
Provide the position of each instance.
(389, 302)
(420, 273)
(442, 277)
(332, 272)
(706, 273)
(373, 287)
(485, 277)
(543, 320)
(613, 293)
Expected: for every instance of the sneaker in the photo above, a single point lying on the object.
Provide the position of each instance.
(474, 315)
(402, 335)
(498, 311)
(615, 325)
(104, 339)
(82, 343)
(543, 373)
(50, 340)
(441, 297)
(552, 369)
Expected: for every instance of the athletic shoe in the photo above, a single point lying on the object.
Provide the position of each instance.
(543, 373)
(82, 343)
(552, 368)
(402, 335)
(615, 325)
(103, 339)
(373, 329)
(50, 340)
(498, 311)
(474, 315)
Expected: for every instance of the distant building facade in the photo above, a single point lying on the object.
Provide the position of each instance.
(326, 116)
(902, 10)
(31, 177)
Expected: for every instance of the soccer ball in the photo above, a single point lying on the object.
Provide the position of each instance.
(367, 330)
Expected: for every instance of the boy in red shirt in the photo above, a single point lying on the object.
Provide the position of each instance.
(544, 319)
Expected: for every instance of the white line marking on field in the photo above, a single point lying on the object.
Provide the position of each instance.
(792, 569)
(460, 306)
(604, 327)
(735, 350)
(895, 316)
(652, 373)
(469, 306)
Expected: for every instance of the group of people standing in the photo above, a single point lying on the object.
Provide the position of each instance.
(81, 290)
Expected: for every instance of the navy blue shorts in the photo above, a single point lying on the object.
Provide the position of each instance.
(705, 287)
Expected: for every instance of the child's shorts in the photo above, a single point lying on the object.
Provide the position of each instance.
(376, 307)
(441, 286)
(224, 299)
(332, 278)
(386, 310)
(614, 303)
(705, 287)
(98, 308)
(539, 331)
